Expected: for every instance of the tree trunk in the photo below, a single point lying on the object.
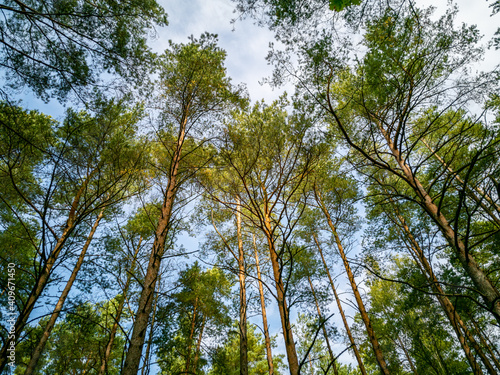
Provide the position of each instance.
(44, 275)
(341, 310)
(145, 366)
(478, 200)
(119, 311)
(490, 294)
(243, 295)
(267, 339)
(364, 315)
(325, 333)
(60, 303)
(485, 343)
(198, 345)
(448, 308)
(407, 355)
(145, 302)
(293, 362)
(191, 334)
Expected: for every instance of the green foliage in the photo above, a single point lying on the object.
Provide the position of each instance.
(198, 308)
(55, 47)
(225, 359)
(77, 342)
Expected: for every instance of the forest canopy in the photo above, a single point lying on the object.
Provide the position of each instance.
(168, 223)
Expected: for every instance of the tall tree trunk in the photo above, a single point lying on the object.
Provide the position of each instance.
(325, 333)
(364, 315)
(293, 362)
(485, 286)
(341, 310)
(408, 357)
(62, 298)
(198, 345)
(119, 311)
(243, 294)
(145, 366)
(44, 275)
(267, 339)
(448, 308)
(484, 341)
(311, 364)
(470, 189)
(145, 302)
(191, 335)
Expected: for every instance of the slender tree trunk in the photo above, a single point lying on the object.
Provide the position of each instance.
(325, 333)
(191, 335)
(364, 315)
(145, 367)
(470, 189)
(44, 275)
(341, 310)
(311, 364)
(293, 362)
(490, 294)
(60, 303)
(485, 343)
(267, 339)
(119, 311)
(145, 302)
(243, 294)
(407, 355)
(198, 345)
(448, 308)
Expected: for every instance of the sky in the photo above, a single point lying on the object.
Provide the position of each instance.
(247, 46)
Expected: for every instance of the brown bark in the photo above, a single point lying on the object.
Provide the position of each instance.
(341, 310)
(291, 353)
(364, 315)
(448, 308)
(198, 345)
(490, 294)
(191, 335)
(484, 285)
(325, 333)
(243, 295)
(60, 303)
(145, 302)
(267, 339)
(408, 357)
(471, 190)
(484, 340)
(145, 366)
(119, 311)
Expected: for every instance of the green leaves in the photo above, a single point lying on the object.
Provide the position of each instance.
(55, 47)
(338, 5)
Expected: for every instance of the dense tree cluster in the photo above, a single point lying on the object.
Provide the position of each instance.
(364, 210)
